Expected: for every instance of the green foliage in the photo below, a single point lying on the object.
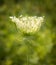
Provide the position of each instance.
(17, 48)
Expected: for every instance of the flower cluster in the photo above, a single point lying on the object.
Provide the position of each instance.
(28, 24)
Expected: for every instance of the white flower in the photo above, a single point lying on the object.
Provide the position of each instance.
(28, 24)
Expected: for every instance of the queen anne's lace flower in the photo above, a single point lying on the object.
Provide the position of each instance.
(28, 24)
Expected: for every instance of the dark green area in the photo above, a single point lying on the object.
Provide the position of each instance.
(17, 48)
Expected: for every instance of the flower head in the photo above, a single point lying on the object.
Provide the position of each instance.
(28, 24)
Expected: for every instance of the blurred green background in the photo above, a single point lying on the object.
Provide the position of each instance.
(18, 49)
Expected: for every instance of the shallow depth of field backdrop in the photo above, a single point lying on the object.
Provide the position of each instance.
(12, 48)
